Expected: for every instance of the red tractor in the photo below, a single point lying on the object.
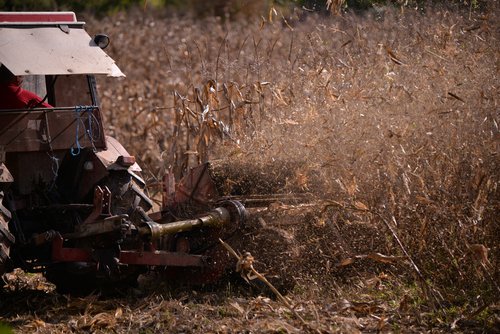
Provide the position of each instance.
(73, 204)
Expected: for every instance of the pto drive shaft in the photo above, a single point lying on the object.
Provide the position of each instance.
(218, 217)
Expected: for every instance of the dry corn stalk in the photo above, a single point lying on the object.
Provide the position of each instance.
(245, 267)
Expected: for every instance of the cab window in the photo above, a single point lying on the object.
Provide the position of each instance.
(72, 90)
(35, 84)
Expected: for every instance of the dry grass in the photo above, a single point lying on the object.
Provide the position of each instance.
(389, 124)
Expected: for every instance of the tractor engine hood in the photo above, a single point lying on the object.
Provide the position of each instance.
(50, 44)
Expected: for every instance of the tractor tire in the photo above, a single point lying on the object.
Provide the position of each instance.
(6, 238)
(77, 279)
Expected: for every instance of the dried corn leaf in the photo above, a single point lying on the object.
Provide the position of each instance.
(103, 320)
(346, 262)
(373, 256)
(361, 206)
(237, 307)
(118, 313)
(384, 258)
(480, 254)
(393, 56)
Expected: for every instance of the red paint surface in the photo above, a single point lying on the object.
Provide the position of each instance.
(37, 17)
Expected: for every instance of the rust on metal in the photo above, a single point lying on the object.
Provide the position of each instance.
(106, 225)
(197, 187)
(125, 161)
(154, 258)
(102, 204)
(161, 258)
(110, 156)
(66, 254)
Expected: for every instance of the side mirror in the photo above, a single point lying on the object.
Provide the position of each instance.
(101, 40)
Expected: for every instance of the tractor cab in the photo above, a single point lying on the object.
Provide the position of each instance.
(54, 58)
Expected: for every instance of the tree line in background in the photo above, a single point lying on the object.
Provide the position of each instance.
(225, 7)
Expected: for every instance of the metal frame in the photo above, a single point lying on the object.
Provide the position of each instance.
(133, 257)
(41, 24)
(21, 129)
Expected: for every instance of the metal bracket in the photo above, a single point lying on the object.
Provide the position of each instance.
(102, 205)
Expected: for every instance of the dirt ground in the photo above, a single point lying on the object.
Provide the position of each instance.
(372, 140)
(325, 291)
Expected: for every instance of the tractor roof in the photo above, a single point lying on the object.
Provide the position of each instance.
(50, 43)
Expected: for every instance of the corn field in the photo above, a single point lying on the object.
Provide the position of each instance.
(387, 122)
